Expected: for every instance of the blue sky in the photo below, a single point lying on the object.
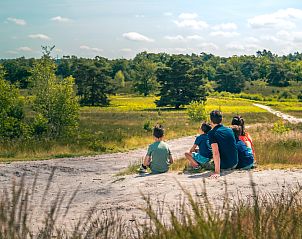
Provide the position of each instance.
(122, 28)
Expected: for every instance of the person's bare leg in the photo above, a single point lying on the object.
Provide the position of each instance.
(192, 162)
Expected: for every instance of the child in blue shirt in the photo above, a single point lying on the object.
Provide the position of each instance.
(245, 154)
(204, 153)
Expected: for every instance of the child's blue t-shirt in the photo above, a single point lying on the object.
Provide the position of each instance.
(204, 146)
(245, 154)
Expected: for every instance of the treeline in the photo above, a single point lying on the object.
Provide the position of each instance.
(177, 79)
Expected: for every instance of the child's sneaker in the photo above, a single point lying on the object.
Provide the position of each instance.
(142, 169)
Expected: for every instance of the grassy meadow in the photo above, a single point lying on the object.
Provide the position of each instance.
(127, 124)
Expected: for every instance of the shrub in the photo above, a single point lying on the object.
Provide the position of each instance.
(54, 99)
(11, 109)
(280, 127)
(196, 111)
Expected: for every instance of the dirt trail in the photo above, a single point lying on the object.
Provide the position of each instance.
(98, 183)
(291, 119)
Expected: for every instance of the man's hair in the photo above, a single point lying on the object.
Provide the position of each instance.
(238, 120)
(237, 130)
(216, 116)
(205, 127)
(158, 131)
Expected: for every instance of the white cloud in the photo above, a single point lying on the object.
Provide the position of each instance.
(298, 37)
(190, 20)
(175, 38)
(194, 37)
(192, 23)
(230, 26)
(20, 22)
(283, 18)
(270, 38)
(168, 14)
(60, 19)
(183, 38)
(24, 48)
(188, 15)
(39, 36)
(134, 36)
(252, 39)
(224, 34)
(139, 16)
(126, 50)
(88, 48)
(242, 47)
(208, 46)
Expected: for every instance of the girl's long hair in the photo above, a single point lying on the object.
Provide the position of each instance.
(238, 120)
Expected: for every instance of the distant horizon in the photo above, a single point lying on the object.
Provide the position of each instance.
(122, 28)
(56, 57)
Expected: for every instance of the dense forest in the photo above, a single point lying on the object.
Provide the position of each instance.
(185, 77)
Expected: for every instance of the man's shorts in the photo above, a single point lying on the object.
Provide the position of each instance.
(199, 158)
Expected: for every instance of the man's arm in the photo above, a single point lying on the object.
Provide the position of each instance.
(193, 149)
(216, 158)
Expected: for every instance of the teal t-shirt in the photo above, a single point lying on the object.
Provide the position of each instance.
(159, 152)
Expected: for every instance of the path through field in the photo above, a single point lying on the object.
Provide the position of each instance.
(98, 183)
(290, 118)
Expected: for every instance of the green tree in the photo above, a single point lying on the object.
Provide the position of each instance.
(180, 83)
(278, 74)
(119, 79)
(55, 100)
(94, 82)
(11, 109)
(229, 78)
(144, 76)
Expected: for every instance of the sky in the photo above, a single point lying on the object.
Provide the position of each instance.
(123, 28)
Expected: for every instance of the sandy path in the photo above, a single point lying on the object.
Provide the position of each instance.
(98, 183)
(291, 119)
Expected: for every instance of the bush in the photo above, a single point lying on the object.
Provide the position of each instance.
(280, 127)
(54, 99)
(11, 109)
(196, 111)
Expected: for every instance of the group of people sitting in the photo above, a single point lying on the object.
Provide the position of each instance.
(216, 148)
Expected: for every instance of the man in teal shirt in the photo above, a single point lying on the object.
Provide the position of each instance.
(159, 156)
(223, 143)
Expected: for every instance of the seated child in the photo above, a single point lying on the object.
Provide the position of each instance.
(159, 156)
(204, 153)
(244, 135)
(245, 154)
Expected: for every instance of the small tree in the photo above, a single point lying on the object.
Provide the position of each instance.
(55, 101)
(196, 111)
(119, 79)
(11, 109)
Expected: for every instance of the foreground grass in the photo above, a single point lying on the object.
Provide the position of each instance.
(261, 216)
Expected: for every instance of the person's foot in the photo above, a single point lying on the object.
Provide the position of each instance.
(142, 169)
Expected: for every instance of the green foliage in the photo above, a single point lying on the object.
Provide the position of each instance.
(180, 82)
(11, 109)
(280, 127)
(229, 78)
(197, 111)
(93, 81)
(54, 100)
(300, 97)
(119, 79)
(144, 75)
(147, 126)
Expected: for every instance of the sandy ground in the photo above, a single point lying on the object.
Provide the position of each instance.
(96, 180)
